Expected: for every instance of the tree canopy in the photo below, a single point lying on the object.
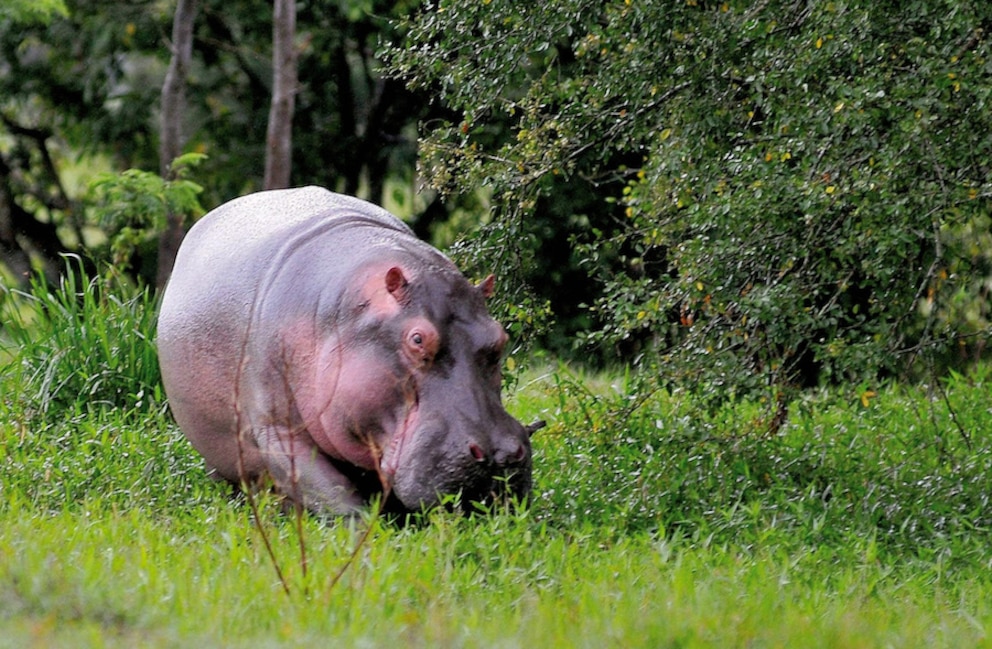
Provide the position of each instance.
(80, 93)
(767, 193)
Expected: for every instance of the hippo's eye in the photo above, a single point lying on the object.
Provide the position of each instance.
(421, 343)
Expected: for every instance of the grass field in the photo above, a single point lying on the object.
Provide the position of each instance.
(865, 521)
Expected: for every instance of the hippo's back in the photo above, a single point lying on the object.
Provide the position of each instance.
(244, 235)
(255, 218)
(232, 252)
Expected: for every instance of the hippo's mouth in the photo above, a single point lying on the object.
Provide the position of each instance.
(507, 487)
(402, 438)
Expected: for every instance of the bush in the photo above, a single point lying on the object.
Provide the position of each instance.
(782, 194)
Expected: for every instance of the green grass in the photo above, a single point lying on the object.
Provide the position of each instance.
(664, 525)
(202, 578)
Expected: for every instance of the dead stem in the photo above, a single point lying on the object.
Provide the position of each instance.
(294, 479)
(242, 473)
(376, 515)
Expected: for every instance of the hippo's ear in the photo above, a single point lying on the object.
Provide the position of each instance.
(487, 286)
(396, 283)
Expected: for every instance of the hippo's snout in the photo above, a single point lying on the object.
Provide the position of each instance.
(502, 467)
(483, 464)
(503, 445)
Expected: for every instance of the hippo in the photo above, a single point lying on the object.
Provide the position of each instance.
(310, 337)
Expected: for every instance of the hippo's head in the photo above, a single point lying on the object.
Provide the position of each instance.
(443, 428)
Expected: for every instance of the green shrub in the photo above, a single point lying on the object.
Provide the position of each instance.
(753, 195)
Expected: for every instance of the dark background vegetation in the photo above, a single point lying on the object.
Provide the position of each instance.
(747, 197)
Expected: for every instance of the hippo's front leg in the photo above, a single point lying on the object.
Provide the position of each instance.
(301, 471)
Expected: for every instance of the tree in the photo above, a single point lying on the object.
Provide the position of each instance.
(103, 87)
(20, 235)
(279, 136)
(171, 138)
(779, 190)
(69, 97)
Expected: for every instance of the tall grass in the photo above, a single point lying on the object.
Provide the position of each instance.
(655, 522)
(81, 345)
(83, 409)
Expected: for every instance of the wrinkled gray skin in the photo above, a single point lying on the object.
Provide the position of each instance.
(310, 336)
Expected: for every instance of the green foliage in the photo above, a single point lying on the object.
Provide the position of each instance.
(134, 206)
(86, 345)
(79, 93)
(787, 193)
(29, 11)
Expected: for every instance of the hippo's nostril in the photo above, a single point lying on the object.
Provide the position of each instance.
(519, 455)
(477, 452)
(507, 457)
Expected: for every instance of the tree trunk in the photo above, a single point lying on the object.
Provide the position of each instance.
(11, 252)
(279, 137)
(171, 136)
